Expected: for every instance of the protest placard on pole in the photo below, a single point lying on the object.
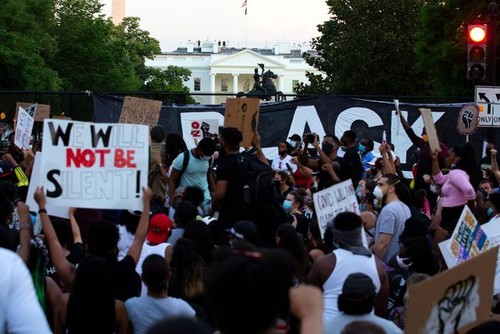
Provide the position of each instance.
(453, 301)
(430, 129)
(243, 114)
(140, 111)
(94, 165)
(330, 202)
(24, 127)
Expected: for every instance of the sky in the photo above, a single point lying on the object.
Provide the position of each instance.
(174, 22)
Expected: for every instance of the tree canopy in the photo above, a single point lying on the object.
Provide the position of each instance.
(411, 47)
(71, 45)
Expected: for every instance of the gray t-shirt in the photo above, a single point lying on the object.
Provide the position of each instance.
(144, 312)
(336, 324)
(391, 221)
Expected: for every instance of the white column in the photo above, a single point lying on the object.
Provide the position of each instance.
(212, 88)
(235, 83)
(281, 82)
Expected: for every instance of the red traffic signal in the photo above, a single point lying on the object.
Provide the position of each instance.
(477, 51)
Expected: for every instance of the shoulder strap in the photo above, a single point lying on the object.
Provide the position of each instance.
(185, 162)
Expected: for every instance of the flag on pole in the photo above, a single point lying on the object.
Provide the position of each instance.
(245, 6)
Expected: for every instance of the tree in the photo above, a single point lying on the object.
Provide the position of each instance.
(367, 47)
(24, 45)
(170, 80)
(441, 46)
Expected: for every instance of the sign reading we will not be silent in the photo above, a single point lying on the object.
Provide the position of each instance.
(94, 165)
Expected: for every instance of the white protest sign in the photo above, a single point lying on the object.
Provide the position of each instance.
(94, 165)
(330, 202)
(24, 128)
(52, 210)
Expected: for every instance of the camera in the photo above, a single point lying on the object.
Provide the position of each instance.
(309, 138)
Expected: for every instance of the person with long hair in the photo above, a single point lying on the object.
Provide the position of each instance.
(91, 307)
(288, 239)
(457, 186)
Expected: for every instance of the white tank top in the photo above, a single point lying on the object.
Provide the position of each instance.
(145, 252)
(347, 263)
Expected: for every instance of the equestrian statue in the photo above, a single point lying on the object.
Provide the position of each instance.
(264, 89)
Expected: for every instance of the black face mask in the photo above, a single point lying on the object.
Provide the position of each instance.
(327, 148)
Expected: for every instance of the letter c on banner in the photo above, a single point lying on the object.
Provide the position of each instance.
(348, 116)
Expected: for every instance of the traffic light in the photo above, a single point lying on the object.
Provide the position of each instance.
(477, 51)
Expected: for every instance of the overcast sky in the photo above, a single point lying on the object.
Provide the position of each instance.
(174, 22)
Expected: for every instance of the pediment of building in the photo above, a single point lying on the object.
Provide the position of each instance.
(247, 58)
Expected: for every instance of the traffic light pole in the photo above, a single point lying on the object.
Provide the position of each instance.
(492, 39)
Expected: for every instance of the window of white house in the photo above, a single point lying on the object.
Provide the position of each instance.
(197, 84)
(295, 85)
(223, 85)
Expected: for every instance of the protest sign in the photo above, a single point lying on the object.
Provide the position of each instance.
(140, 111)
(42, 110)
(430, 129)
(468, 238)
(94, 165)
(52, 210)
(24, 127)
(329, 202)
(243, 114)
(455, 300)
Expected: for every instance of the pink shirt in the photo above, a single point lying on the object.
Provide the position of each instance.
(456, 188)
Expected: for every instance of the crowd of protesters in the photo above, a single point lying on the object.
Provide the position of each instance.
(201, 258)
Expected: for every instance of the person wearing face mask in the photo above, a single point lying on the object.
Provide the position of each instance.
(283, 162)
(392, 217)
(196, 172)
(424, 161)
(293, 205)
(365, 148)
(332, 168)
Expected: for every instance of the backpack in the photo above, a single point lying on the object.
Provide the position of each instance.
(257, 180)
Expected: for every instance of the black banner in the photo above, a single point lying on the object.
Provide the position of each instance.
(323, 115)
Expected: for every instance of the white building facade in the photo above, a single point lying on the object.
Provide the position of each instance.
(217, 69)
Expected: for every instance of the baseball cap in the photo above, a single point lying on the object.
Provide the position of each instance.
(358, 285)
(5, 169)
(295, 137)
(243, 229)
(159, 228)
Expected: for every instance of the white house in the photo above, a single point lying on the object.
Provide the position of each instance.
(219, 69)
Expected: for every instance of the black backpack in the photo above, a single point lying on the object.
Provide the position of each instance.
(257, 180)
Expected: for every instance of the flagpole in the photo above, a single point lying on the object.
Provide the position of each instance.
(246, 29)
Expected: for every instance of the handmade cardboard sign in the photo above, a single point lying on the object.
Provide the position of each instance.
(243, 114)
(430, 129)
(42, 110)
(94, 165)
(331, 201)
(140, 111)
(455, 300)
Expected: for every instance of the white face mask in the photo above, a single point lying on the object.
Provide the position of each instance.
(433, 189)
(401, 263)
(377, 192)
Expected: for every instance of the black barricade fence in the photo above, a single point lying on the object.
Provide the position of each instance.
(321, 114)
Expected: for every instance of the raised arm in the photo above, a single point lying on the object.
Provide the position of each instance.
(142, 229)
(306, 171)
(25, 231)
(75, 229)
(258, 148)
(416, 140)
(494, 164)
(65, 269)
(389, 167)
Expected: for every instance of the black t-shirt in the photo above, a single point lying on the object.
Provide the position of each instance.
(126, 281)
(75, 256)
(326, 181)
(232, 208)
(355, 168)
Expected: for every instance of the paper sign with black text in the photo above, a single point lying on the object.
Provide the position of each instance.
(24, 127)
(330, 202)
(94, 165)
(243, 114)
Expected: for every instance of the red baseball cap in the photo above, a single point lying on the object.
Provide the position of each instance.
(159, 228)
